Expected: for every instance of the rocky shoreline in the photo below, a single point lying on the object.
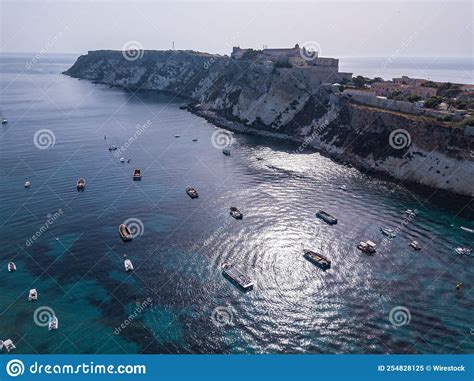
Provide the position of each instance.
(279, 103)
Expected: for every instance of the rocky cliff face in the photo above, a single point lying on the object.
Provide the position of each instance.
(288, 103)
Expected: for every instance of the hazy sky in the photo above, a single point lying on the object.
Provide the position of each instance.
(339, 28)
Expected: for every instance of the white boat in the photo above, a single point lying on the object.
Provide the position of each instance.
(467, 229)
(81, 184)
(367, 246)
(415, 245)
(226, 151)
(27, 184)
(462, 251)
(7, 344)
(11, 267)
(33, 295)
(122, 160)
(343, 187)
(53, 323)
(410, 213)
(112, 147)
(4, 120)
(388, 232)
(128, 265)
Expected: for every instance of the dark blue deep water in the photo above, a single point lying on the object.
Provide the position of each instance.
(76, 263)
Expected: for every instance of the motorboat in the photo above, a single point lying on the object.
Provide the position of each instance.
(4, 120)
(463, 251)
(112, 148)
(367, 246)
(125, 233)
(390, 233)
(33, 295)
(81, 184)
(195, 140)
(137, 175)
(128, 265)
(177, 136)
(234, 212)
(11, 267)
(53, 323)
(237, 277)
(317, 259)
(326, 217)
(415, 245)
(7, 345)
(467, 229)
(192, 192)
(226, 151)
(27, 184)
(122, 160)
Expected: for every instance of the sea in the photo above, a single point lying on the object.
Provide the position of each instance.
(66, 244)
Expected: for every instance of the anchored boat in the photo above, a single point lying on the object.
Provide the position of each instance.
(33, 295)
(463, 251)
(237, 277)
(415, 245)
(326, 217)
(137, 175)
(81, 184)
(27, 184)
(125, 233)
(112, 147)
(4, 120)
(7, 344)
(388, 232)
(317, 259)
(11, 267)
(53, 323)
(226, 151)
(367, 246)
(128, 265)
(234, 212)
(192, 192)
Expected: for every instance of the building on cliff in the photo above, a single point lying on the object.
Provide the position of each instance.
(317, 69)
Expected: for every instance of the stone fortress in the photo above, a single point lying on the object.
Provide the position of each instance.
(317, 69)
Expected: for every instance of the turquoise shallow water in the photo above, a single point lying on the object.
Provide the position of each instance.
(77, 262)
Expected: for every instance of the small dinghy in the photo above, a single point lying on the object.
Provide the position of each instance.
(463, 251)
(234, 212)
(53, 323)
(237, 277)
(27, 184)
(367, 246)
(11, 267)
(4, 120)
(177, 136)
(122, 160)
(81, 184)
(192, 192)
(226, 151)
(137, 175)
(317, 259)
(326, 217)
(33, 295)
(7, 345)
(390, 233)
(125, 233)
(195, 140)
(112, 148)
(415, 245)
(128, 264)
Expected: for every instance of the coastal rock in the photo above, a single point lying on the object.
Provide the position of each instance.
(285, 103)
